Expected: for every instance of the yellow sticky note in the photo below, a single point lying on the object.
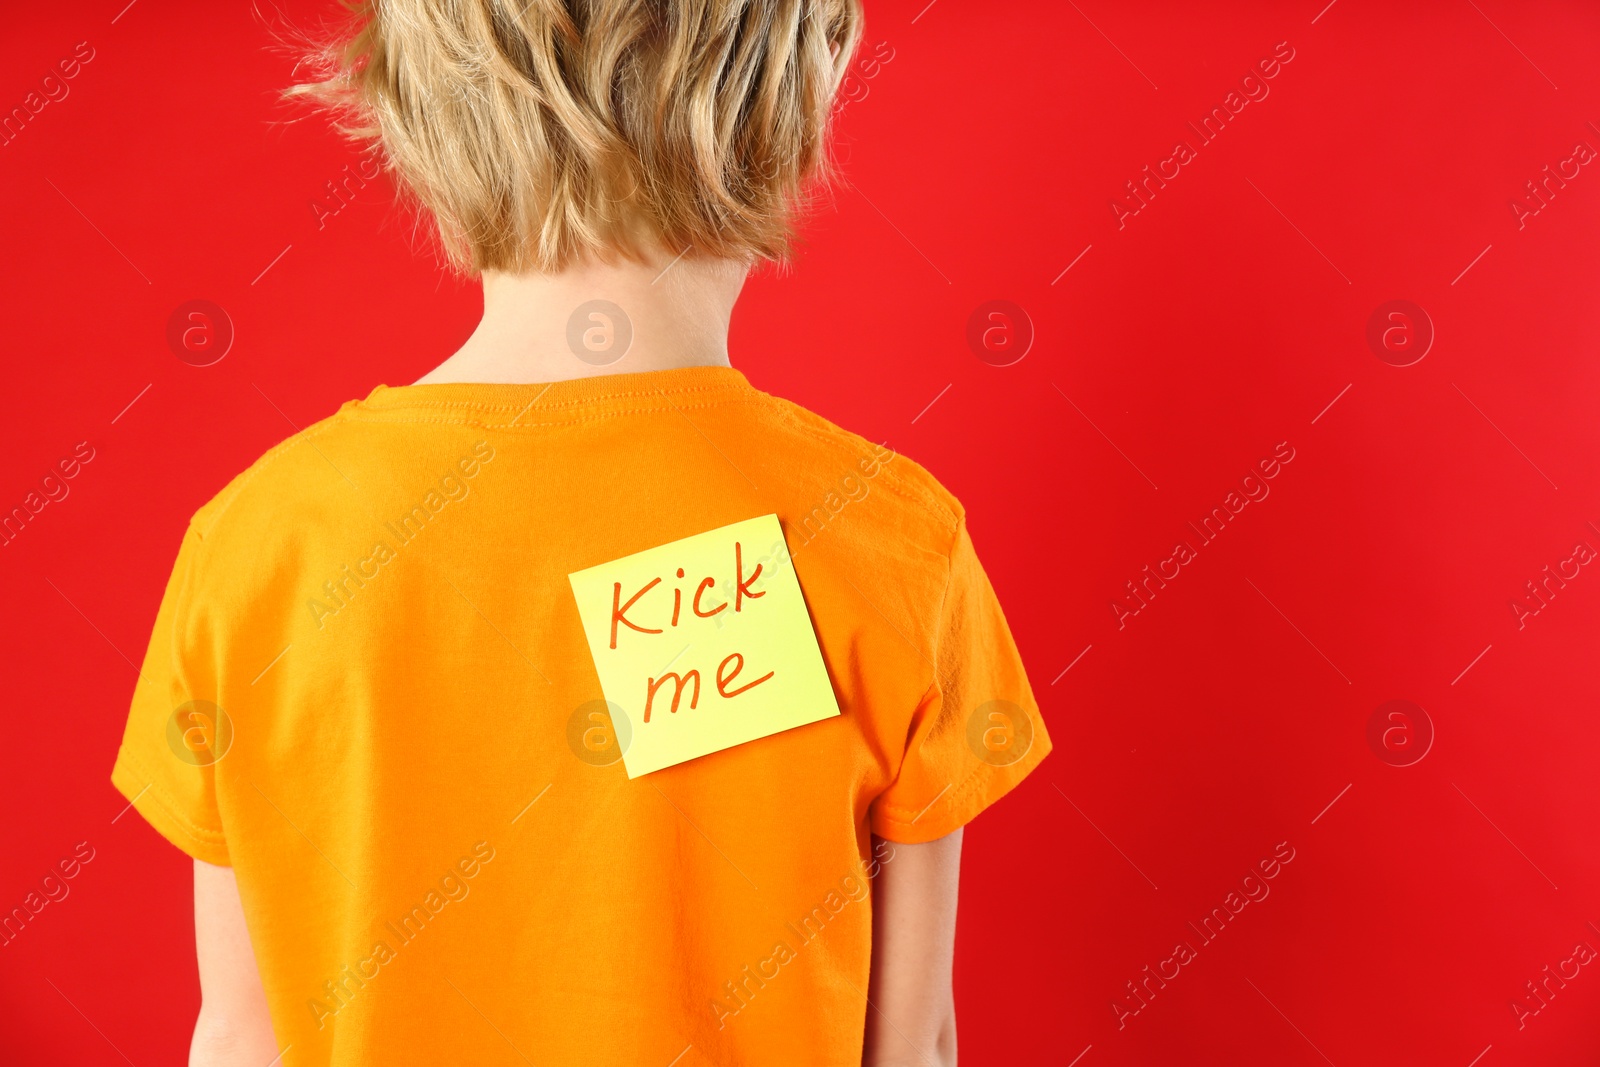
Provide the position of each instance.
(703, 643)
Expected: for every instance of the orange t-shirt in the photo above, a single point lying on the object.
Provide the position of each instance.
(368, 691)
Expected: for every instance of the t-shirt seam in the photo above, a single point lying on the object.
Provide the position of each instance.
(391, 416)
(177, 664)
(904, 756)
(203, 834)
(959, 793)
(956, 794)
(937, 683)
(734, 393)
(944, 599)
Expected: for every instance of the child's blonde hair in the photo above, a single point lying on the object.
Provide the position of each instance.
(540, 133)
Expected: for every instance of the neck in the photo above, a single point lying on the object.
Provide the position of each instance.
(599, 318)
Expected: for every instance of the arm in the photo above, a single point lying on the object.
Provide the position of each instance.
(911, 1018)
(233, 1027)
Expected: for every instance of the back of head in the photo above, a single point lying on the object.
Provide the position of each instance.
(540, 133)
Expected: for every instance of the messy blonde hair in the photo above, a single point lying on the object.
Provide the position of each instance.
(539, 133)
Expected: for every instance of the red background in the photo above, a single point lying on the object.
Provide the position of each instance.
(1222, 319)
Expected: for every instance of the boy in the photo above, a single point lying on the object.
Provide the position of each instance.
(434, 818)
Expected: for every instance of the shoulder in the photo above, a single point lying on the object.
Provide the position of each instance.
(280, 490)
(919, 506)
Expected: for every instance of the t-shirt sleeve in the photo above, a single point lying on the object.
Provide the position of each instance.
(978, 731)
(175, 732)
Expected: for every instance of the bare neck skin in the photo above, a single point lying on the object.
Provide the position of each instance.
(677, 313)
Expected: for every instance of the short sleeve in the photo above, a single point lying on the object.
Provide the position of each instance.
(978, 732)
(175, 732)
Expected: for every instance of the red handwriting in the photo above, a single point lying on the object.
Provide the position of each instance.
(617, 614)
(725, 678)
(742, 592)
(652, 609)
(704, 585)
(679, 680)
(742, 584)
(722, 683)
